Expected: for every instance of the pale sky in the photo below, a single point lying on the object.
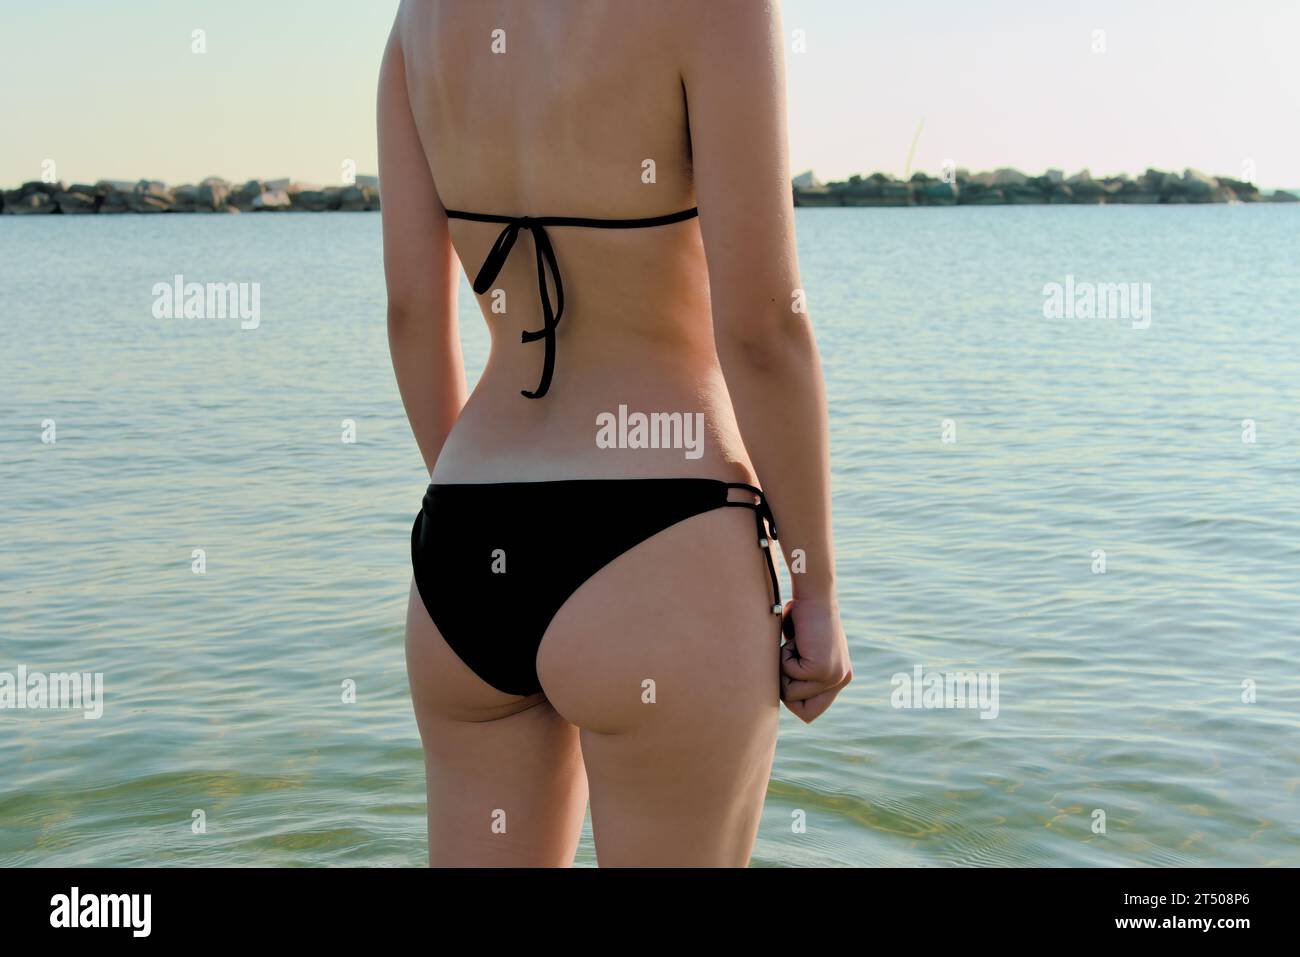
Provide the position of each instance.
(286, 87)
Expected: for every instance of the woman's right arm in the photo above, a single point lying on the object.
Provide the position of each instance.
(420, 268)
(734, 75)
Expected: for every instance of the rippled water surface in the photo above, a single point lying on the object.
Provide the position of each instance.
(1163, 693)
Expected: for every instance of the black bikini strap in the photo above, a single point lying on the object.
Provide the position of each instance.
(546, 262)
(665, 220)
(766, 525)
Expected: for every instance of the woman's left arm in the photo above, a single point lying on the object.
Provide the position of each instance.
(420, 267)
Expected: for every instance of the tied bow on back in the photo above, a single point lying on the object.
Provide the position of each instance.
(546, 261)
(536, 225)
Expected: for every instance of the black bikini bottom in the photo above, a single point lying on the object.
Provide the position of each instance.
(492, 572)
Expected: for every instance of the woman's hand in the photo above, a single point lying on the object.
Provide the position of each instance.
(815, 663)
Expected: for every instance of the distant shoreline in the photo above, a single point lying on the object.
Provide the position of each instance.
(1010, 187)
(1003, 187)
(213, 195)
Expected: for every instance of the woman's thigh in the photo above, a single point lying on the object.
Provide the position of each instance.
(504, 773)
(667, 659)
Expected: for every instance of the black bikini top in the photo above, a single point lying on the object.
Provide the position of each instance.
(496, 258)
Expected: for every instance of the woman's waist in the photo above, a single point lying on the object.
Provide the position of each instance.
(596, 426)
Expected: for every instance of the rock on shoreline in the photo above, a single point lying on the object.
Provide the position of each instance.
(213, 195)
(1010, 187)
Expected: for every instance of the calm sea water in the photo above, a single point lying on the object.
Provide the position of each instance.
(1163, 693)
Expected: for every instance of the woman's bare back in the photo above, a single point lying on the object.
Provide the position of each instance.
(571, 108)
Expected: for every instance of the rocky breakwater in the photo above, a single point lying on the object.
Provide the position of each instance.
(1009, 187)
(213, 195)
